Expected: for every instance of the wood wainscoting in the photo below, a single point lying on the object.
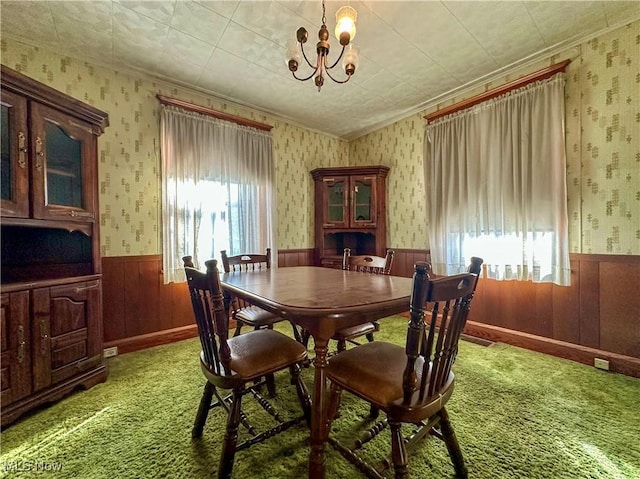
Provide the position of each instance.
(295, 257)
(597, 316)
(140, 311)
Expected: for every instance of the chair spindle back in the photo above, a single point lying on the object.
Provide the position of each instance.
(447, 300)
(211, 317)
(245, 262)
(367, 263)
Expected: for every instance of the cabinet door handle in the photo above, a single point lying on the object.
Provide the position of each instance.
(39, 153)
(44, 336)
(21, 343)
(22, 150)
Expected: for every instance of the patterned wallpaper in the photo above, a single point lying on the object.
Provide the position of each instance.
(129, 157)
(603, 151)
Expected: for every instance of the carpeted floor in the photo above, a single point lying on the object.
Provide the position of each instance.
(517, 414)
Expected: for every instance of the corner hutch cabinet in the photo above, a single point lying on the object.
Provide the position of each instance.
(350, 212)
(51, 292)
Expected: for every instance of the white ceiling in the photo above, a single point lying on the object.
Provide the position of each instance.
(411, 52)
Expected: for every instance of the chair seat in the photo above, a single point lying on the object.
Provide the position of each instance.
(255, 354)
(355, 331)
(257, 317)
(374, 371)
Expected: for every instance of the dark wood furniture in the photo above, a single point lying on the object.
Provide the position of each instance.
(365, 264)
(321, 301)
(243, 312)
(237, 364)
(51, 331)
(350, 212)
(410, 384)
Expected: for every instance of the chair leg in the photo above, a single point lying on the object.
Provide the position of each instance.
(302, 391)
(203, 410)
(449, 437)
(333, 405)
(304, 336)
(374, 411)
(296, 333)
(238, 328)
(230, 437)
(398, 452)
(271, 385)
(342, 345)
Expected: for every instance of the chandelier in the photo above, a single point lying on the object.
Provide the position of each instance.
(345, 32)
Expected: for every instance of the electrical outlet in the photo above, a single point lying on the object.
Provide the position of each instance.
(110, 352)
(601, 363)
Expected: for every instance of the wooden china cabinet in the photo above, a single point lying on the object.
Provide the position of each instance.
(51, 291)
(350, 212)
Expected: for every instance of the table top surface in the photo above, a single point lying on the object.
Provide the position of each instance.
(310, 291)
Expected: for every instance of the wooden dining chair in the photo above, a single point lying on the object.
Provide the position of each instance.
(244, 313)
(365, 264)
(236, 364)
(410, 383)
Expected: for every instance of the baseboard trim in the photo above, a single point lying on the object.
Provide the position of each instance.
(618, 363)
(149, 340)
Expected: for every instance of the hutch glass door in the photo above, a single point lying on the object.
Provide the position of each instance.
(335, 201)
(363, 201)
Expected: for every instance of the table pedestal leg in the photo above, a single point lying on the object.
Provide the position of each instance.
(319, 413)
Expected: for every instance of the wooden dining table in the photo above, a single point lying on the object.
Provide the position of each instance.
(322, 301)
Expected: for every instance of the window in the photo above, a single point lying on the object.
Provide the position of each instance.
(496, 176)
(218, 191)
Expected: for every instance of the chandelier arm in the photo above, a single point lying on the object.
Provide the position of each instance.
(306, 78)
(306, 59)
(338, 59)
(338, 81)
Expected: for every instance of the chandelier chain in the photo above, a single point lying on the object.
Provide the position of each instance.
(324, 16)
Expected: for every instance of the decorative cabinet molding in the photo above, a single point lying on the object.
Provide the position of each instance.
(51, 287)
(350, 211)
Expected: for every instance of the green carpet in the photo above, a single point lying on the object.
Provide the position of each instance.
(517, 414)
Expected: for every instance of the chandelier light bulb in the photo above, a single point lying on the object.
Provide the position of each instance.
(350, 60)
(345, 24)
(292, 56)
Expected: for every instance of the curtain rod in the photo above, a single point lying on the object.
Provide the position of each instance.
(165, 100)
(495, 92)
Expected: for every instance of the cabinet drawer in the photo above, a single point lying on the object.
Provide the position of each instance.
(70, 355)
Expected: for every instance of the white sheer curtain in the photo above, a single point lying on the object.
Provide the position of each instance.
(217, 189)
(495, 176)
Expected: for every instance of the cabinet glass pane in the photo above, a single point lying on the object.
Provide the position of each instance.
(64, 168)
(7, 173)
(335, 201)
(362, 203)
